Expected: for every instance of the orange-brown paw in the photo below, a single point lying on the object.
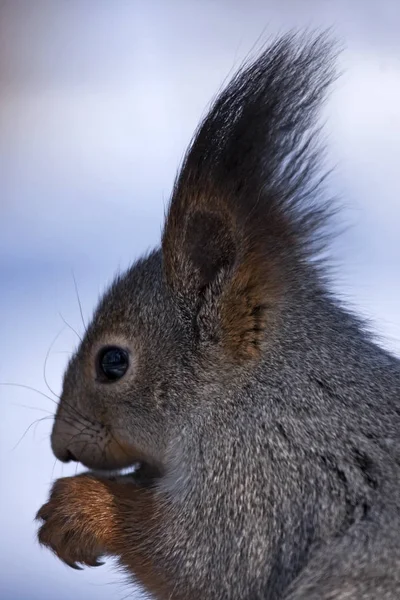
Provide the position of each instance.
(77, 520)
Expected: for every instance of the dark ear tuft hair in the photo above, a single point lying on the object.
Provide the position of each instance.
(243, 208)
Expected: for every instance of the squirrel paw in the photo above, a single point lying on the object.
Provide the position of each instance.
(75, 519)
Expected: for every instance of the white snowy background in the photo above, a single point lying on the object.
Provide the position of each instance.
(98, 100)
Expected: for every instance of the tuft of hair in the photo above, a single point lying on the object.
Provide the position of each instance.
(247, 203)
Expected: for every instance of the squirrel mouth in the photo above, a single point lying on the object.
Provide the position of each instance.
(140, 473)
(125, 471)
(116, 473)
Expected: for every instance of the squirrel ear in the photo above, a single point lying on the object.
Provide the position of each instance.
(197, 245)
(242, 211)
(220, 275)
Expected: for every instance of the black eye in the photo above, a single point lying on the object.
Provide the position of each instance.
(113, 363)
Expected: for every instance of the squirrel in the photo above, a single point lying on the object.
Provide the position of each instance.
(263, 417)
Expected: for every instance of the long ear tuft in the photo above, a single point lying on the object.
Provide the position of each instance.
(245, 204)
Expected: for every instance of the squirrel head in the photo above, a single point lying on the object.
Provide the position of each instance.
(186, 323)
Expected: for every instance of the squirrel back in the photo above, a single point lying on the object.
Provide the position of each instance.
(265, 418)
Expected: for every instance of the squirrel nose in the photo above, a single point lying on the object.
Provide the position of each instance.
(67, 456)
(71, 457)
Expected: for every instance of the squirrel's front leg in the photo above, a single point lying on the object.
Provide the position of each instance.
(88, 516)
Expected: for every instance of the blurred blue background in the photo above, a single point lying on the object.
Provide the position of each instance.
(98, 100)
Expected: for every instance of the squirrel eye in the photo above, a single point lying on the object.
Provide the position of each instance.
(113, 363)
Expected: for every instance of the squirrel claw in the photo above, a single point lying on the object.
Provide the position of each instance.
(42, 514)
(73, 565)
(94, 563)
(98, 563)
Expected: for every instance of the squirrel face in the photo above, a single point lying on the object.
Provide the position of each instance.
(113, 410)
(184, 326)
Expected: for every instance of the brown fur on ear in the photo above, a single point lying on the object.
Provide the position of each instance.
(245, 207)
(225, 273)
(248, 307)
(198, 241)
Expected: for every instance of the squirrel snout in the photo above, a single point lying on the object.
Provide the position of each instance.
(62, 452)
(92, 446)
(66, 456)
(62, 442)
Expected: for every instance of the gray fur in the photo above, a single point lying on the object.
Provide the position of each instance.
(280, 473)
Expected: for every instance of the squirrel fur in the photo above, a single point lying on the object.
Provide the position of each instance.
(264, 417)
